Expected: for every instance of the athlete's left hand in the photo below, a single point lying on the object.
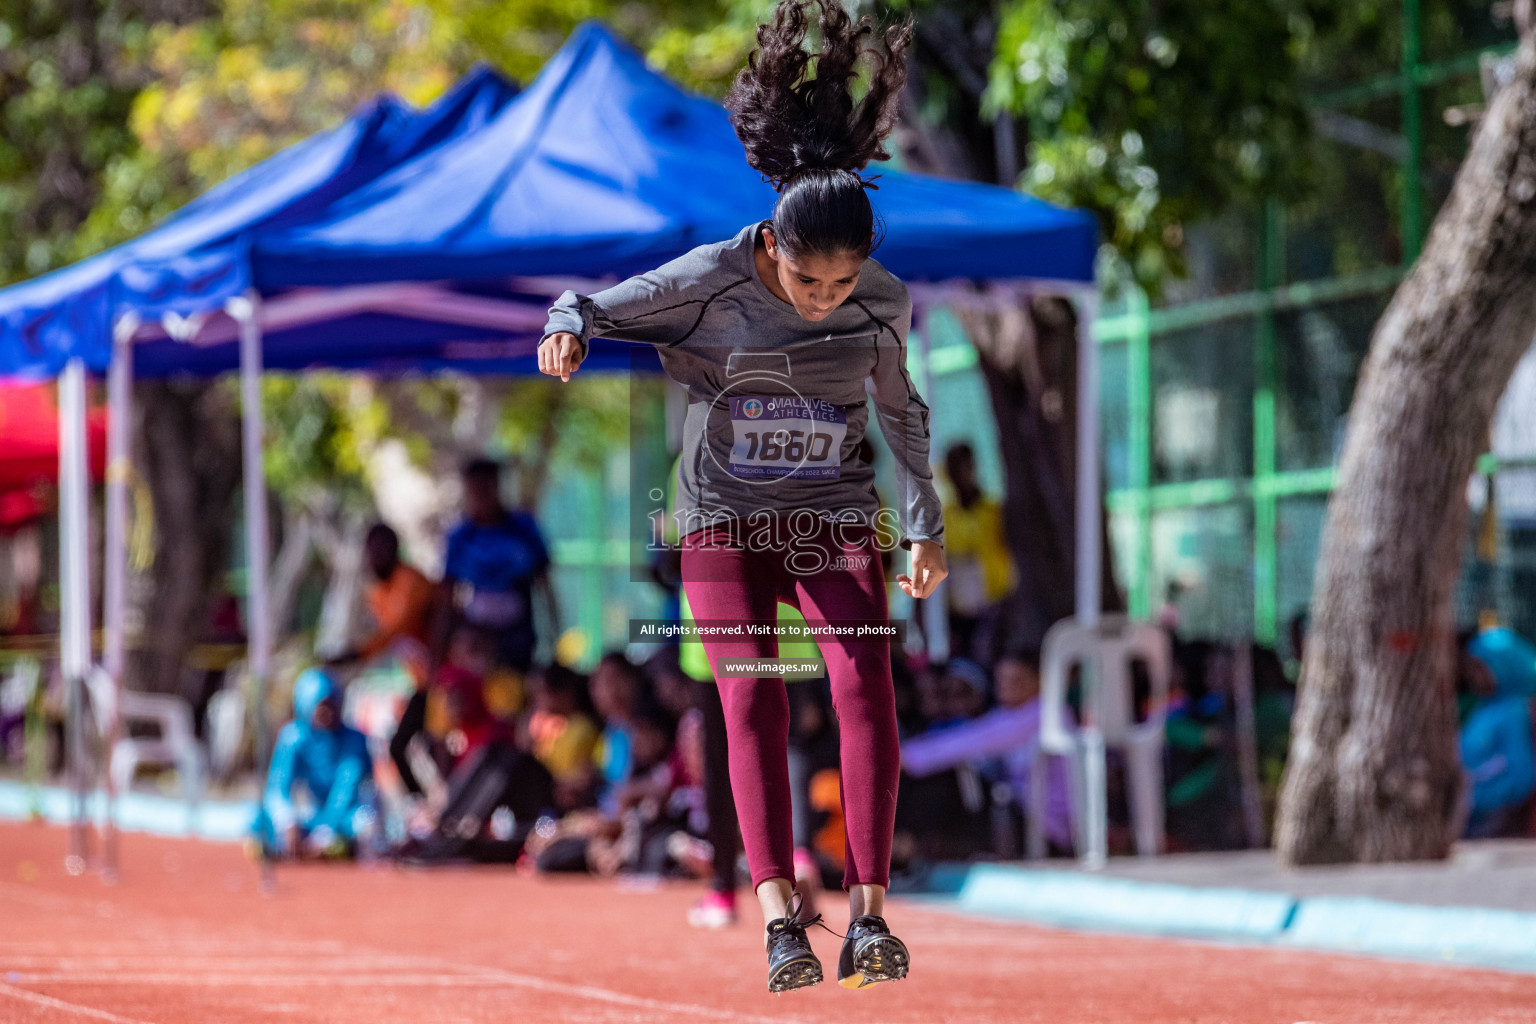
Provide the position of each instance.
(928, 569)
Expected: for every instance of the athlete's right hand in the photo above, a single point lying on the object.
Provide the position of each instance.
(560, 355)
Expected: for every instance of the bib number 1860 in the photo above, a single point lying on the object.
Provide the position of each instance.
(786, 437)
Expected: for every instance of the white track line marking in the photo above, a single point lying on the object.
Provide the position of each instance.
(282, 979)
(38, 999)
(46, 900)
(258, 962)
(483, 977)
(84, 905)
(693, 1011)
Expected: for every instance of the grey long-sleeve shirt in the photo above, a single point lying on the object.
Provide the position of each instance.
(776, 403)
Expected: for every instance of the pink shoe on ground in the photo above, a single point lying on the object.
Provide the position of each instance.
(715, 910)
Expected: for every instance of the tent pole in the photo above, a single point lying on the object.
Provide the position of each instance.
(930, 610)
(246, 311)
(115, 640)
(74, 604)
(1089, 570)
(1088, 590)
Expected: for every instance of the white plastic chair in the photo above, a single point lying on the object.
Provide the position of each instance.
(15, 694)
(175, 746)
(226, 731)
(1105, 653)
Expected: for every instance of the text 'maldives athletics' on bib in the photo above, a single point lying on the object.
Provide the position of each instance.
(786, 437)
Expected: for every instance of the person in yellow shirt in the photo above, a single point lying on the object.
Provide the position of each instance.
(981, 572)
(559, 734)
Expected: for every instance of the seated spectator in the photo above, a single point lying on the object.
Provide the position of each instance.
(1201, 773)
(1011, 732)
(559, 733)
(671, 685)
(964, 692)
(331, 761)
(638, 829)
(495, 789)
(688, 849)
(616, 687)
(496, 792)
(462, 719)
(941, 816)
(645, 801)
(1498, 750)
(454, 724)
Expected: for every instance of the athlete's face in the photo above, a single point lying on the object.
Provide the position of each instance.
(815, 284)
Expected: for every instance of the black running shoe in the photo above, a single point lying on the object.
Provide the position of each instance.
(791, 962)
(871, 954)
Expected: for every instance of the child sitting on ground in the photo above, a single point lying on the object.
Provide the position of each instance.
(330, 760)
(607, 843)
(560, 734)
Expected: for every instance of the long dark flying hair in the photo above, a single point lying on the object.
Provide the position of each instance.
(804, 132)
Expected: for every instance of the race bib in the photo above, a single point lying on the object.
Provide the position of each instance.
(787, 437)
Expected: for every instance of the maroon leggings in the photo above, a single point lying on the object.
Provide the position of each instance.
(834, 575)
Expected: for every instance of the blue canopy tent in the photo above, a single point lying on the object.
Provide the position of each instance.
(87, 315)
(435, 239)
(591, 172)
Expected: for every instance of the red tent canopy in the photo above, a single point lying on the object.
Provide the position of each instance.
(29, 448)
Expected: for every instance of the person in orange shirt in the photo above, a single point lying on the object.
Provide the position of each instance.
(401, 603)
(400, 600)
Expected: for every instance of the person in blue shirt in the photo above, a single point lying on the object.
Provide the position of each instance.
(331, 761)
(1498, 746)
(496, 560)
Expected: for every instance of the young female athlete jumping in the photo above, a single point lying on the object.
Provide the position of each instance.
(774, 334)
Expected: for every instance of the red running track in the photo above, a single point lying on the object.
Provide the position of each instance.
(187, 938)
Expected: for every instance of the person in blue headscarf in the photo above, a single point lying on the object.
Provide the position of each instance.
(1498, 745)
(331, 761)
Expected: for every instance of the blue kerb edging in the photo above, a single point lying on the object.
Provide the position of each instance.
(220, 821)
(1467, 935)
(1071, 899)
(1096, 901)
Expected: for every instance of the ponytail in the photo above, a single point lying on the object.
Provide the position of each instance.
(805, 133)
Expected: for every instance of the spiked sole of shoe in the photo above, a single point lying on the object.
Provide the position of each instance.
(795, 974)
(876, 959)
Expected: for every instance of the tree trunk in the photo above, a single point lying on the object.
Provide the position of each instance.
(289, 567)
(189, 451)
(1028, 356)
(341, 608)
(1373, 772)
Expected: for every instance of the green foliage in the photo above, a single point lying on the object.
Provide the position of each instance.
(320, 430)
(589, 417)
(1153, 115)
(65, 96)
(1156, 116)
(229, 90)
